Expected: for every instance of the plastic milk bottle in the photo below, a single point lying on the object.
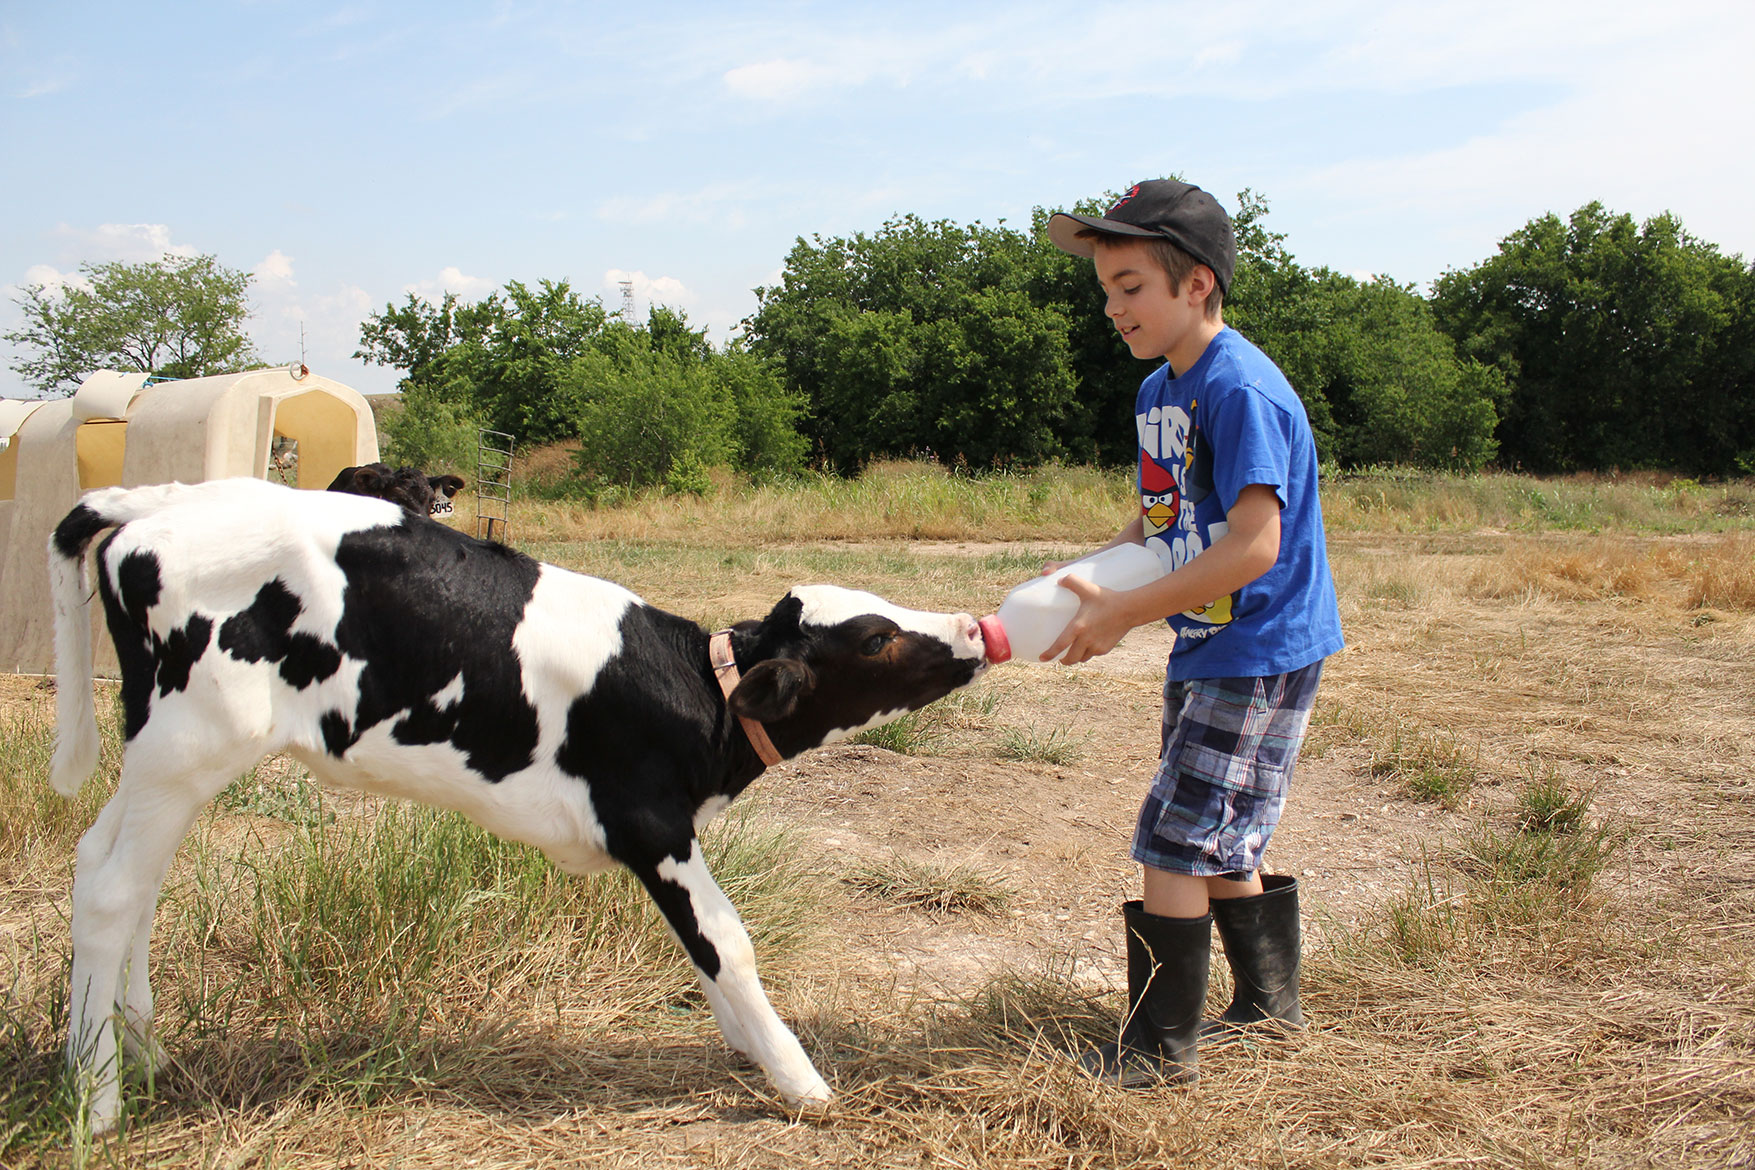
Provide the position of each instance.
(1032, 616)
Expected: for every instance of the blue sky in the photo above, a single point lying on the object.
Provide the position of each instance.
(348, 154)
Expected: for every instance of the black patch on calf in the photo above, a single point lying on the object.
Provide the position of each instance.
(139, 584)
(178, 654)
(426, 723)
(673, 901)
(338, 734)
(649, 740)
(424, 604)
(263, 632)
(648, 727)
(133, 642)
(77, 529)
(309, 660)
(146, 659)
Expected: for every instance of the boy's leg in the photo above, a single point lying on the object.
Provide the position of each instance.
(1229, 749)
(1259, 922)
(1181, 895)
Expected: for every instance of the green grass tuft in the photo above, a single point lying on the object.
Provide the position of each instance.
(1029, 745)
(1429, 765)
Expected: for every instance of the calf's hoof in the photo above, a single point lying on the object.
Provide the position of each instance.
(811, 1098)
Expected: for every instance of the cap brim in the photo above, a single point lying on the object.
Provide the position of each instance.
(1064, 228)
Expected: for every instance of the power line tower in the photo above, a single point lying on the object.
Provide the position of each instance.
(627, 302)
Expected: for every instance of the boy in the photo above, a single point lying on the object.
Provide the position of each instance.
(1228, 498)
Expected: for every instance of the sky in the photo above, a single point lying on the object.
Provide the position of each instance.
(350, 154)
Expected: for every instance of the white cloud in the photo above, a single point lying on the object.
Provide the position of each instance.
(132, 243)
(1641, 125)
(451, 279)
(648, 291)
(780, 80)
(45, 87)
(51, 278)
(322, 328)
(276, 266)
(43, 77)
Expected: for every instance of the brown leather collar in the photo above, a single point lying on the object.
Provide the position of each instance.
(725, 667)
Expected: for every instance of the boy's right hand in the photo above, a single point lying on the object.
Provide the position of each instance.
(1095, 629)
(1053, 567)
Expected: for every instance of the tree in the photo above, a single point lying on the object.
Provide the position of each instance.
(921, 338)
(1391, 383)
(176, 317)
(1379, 380)
(1623, 345)
(547, 366)
(501, 359)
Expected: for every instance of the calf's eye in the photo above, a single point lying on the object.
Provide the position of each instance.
(874, 644)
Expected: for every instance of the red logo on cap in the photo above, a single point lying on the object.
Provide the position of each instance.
(1131, 192)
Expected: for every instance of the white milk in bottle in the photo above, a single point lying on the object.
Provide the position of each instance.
(1032, 616)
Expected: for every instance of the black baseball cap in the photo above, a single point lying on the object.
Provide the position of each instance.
(1179, 212)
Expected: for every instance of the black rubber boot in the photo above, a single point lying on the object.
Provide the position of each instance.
(1262, 942)
(1166, 992)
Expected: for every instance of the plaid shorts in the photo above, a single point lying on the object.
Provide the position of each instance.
(1229, 745)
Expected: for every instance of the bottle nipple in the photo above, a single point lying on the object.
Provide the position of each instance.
(998, 647)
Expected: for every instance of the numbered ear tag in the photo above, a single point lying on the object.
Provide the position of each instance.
(442, 506)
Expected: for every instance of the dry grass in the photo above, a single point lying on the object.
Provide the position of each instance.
(1562, 975)
(1711, 572)
(932, 885)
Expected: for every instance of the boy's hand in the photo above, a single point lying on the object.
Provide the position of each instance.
(1095, 629)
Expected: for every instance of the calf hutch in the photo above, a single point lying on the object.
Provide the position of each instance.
(125, 430)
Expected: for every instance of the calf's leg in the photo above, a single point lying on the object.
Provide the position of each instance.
(709, 929)
(121, 864)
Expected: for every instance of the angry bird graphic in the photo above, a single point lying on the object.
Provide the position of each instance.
(1159, 500)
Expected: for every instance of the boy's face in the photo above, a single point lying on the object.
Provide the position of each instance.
(1152, 319)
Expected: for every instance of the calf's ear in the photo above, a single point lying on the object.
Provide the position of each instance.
(771, 690)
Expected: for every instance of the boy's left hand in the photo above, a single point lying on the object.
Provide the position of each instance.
(1095, 629)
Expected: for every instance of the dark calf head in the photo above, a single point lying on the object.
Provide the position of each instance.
(833, 662)
(419, 493)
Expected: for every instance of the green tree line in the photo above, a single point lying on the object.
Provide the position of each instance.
(638, 405)
(1586, 343)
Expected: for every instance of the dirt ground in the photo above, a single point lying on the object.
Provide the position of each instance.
(1059, 834)
(1648, 706)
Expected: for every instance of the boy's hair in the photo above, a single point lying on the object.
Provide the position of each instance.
(1176, 263)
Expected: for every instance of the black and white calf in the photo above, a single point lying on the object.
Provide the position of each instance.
(392, 654)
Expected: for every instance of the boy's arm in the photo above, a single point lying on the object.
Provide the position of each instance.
(1248, 549)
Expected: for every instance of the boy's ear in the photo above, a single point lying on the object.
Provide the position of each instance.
(771, 690)
(1202, 281)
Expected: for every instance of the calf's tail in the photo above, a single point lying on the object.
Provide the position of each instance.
(76, 731)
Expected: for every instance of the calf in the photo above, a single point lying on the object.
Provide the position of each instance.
(399, 657)
(415, 490)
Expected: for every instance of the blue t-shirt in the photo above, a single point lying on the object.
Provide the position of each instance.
(1233, 420)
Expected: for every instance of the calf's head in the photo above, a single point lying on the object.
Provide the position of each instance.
(416, 491)
(830, 662)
